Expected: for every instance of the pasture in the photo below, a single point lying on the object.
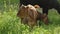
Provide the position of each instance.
(10, 23)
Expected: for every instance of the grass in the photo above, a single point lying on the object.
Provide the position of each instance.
(10, 23)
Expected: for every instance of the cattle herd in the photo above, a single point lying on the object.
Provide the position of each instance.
(29, 15)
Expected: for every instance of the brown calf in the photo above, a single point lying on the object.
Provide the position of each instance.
(29, 15)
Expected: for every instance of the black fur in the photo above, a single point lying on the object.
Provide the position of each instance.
(45, 4)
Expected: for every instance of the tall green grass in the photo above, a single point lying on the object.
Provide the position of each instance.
(10, 23)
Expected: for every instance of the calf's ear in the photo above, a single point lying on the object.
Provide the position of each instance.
(36, 6)
(22, 6)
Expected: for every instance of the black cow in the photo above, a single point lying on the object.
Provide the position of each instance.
(45, 4)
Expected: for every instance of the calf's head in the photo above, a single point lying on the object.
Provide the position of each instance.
(22, 11)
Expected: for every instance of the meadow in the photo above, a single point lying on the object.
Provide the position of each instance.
(10, 23)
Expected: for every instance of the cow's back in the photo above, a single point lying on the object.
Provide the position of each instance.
(41, 3)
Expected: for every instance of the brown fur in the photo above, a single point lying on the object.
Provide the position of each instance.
(28, 15)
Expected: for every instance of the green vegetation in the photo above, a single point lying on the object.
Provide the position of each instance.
(10, 23)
